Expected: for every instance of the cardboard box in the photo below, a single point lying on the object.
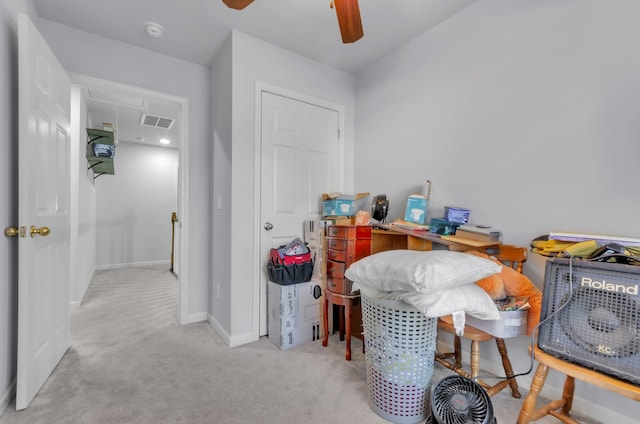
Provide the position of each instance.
(510, 324)
(342, 220)
(340, 204)
(314, 237)
(416, 210)
(314, 231)
(294, 313)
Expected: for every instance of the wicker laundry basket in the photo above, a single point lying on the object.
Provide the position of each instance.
(400, 345)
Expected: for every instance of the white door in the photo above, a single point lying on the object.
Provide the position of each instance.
(299, 162)
(44, 157)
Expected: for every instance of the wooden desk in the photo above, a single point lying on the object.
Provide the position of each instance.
(392, 238)
(387, 238)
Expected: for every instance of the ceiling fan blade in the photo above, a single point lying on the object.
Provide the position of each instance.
(349, 20)
(237, 4)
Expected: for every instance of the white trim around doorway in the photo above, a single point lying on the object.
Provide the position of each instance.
(182, 313)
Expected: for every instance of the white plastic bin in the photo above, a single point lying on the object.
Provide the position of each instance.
(400, 345)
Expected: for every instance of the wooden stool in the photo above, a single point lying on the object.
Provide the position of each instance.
(561, 408)
(347, 301)
(511, 256)
(477, 336)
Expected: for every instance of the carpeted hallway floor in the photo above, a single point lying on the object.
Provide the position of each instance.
(130, 362)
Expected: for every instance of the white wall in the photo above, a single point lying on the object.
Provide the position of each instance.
(84, 53)
(526, 112)
(82, 203)
(134, 206)
(221, 105)
(254, 61)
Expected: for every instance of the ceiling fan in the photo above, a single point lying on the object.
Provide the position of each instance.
(347, 11)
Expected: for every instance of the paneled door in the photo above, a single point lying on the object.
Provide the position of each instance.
(299, 162)
(43, 240)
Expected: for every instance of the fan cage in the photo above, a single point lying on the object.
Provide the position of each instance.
(459, 400)
(400, 344)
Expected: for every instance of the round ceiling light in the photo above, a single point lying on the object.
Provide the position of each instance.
(153, 29)
(164, 141)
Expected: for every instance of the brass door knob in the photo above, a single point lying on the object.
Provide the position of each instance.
(11, 232)
(42, 231)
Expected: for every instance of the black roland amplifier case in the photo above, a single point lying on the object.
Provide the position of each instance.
(598, 323)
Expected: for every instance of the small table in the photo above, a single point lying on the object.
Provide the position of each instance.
(348, 301)
(561, 408)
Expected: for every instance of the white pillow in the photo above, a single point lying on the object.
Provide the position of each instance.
(422, 271)
(471, 299)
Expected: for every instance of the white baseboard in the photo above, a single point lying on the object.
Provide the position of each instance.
(134, 264)
(7, 396)
(197, 317)
(242, 339)
(584, 406)
(218, 329)
(231, 341)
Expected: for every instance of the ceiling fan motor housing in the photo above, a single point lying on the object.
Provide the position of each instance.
(348, 13)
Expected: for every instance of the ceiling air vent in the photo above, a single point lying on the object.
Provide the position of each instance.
(156, 121)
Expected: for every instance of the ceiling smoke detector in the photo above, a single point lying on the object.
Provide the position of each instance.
(153, 29)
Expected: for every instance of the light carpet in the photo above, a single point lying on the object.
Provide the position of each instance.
(130, 362)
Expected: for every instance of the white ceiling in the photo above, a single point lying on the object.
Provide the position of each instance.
(196, 29)
(127, 111)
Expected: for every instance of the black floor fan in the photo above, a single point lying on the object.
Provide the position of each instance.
(459, 400)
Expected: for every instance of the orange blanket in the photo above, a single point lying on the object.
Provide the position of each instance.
(515, 284)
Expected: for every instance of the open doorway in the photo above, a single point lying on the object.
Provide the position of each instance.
(141, 118)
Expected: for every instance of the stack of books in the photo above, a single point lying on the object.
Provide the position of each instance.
(407, 225)
(478, 233)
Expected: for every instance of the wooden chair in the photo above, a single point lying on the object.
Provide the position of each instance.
(514, 257)
(561, 408)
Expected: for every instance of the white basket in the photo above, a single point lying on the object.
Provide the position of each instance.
(400, 345)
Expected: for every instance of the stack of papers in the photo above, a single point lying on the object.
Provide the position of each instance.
(601, 239)
(511, 303)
